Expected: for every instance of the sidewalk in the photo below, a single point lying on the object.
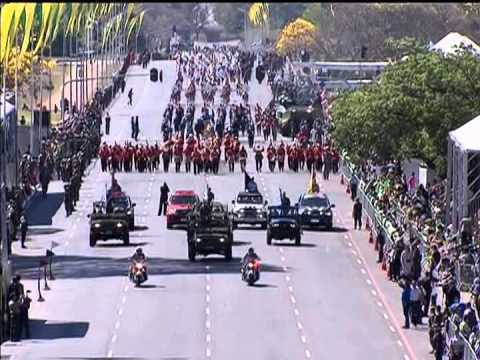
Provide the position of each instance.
(387, 291)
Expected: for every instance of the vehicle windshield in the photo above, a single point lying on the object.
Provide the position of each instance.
(315, 202)
(183, 199)
(277, 212)
(249, 199)
(119, 202)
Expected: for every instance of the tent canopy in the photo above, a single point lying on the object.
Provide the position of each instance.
(448, 44)
(467, 136)
(8, 107)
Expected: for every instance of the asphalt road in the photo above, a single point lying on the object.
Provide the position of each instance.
(315, 301)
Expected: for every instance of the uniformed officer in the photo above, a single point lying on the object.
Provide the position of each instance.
(68, 199)
(259, 157)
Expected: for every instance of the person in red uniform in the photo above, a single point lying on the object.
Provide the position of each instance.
(295, 156)
(226, 144)
(335, 160)
(196, 157)
(309, 155)
(104, 154)
(271, 156)
(178, 154)
(188, 154)
(281, 156)
(301, 156)
(231, 159)
(206, 159)
(215, 159)
(243, 158)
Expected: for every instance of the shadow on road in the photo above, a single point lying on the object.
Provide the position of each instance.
(241, 243)
(291, 244)
(41, 329)
(44, 231)
(140, 228)
(264, 286)
(323, 230)
(120, 244)
(78, 267)
(150, 286)
(42, 209)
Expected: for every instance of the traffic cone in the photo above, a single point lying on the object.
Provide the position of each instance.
(367, 225)
(370, 237)
(342, 181)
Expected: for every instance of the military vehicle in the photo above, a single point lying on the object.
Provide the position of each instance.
(209, 230)
(283, 223)
(108, 225)
(294, 102)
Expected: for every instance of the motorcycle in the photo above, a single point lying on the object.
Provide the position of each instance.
(251, 272)
(138, 273)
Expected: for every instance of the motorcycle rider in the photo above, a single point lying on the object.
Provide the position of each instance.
(249, 256)
(138, 256)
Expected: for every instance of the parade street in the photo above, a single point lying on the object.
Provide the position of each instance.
(326, 299)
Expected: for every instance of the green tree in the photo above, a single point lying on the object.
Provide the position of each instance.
(411, 109)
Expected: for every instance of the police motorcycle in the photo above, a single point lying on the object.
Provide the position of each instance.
(251, 270)
(138, 272)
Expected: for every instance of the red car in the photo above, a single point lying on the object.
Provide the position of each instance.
(180, 204)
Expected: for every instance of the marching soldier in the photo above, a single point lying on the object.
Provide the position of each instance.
(317, 157)
(178, 154)
(231, 160)
(68, 200)
(259, 157)
(166, 156)
(215, 159)
(281, 157)
(243, 158)
(196, 156)
(271, 157)
(309, 154)
(104, 153)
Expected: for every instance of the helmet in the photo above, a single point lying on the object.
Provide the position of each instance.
(138, 251)
(251, 251)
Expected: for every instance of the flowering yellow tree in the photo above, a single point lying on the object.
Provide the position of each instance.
(297, 35)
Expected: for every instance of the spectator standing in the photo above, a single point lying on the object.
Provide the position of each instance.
(132, 123)
(416, 304)
(130, 96)
(137, 128)
(412, 183)
(25, 320)
(357, 214)
(407, 262)
(353, 187)
(406, 303)
(416, 261)
(23, 229)
(381, 244)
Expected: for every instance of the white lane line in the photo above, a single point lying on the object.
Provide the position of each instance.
(292, 299)
(385, 316)
(363, 271)
(281, 250)
(290, 289)
(350, 244)
(124, 299)
(406, 357)
(299, 325)
(207, 324)
(303, 338)
(207, 298)
(374, 293)
(207, 287)
(399, 343)
(369, 282)
(282, 258)
(209, 338)
(392, 329)
(120, 312)
(287, 278)
(297, 313)
(207, 310)
(110, 353)
(114, 339)
(308, 354)
(117, 325)
(66, 243)
(209, 352)
(125, 288)
(359, 261)
(208, 277)
(285, 268)
(379, 304)
(353, 252)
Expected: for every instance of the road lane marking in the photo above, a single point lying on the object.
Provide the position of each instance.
(399, 343)
(353, 252)
(299, 325)
(208, 277)
(207, 324)
(290, 289)
(292, 299)
(285, 268)
(125, 288)
(281, 250)
(207, 287)
(117, 325)
(369, 282)
(209, 352)
(282, 258)
(379, 304)
(124, 299)
(209, 338)
(207, 310)
(110, 353)
(287, 278)
(308, 354)
(350, 244)
(208, 298)
(406, 357)
(114, 339)
(363, 271)
(297, 313)
(374, 293)
(385, 316)
(303, 338)
(359, 261)
(392, 329)
(120, 312)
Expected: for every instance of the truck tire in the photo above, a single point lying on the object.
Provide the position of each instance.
(228, 252)
(269, 239)
(126, 239)
(169, 226)
(93, 240)
(131, 225)
(234, 225)
(191, 253)
(264, 226)
(298, 240)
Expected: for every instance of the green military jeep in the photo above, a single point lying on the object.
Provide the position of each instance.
(106, 226)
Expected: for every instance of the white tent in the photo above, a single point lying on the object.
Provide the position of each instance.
(467, 137)
(451, 41)
(463, 174)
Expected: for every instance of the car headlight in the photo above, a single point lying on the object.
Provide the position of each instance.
(97, 225)
(275, 225)
(129, 212)
(328, 213)
(119, 225)
(292, 225)
(198, 239)
(222, 239)
(241, 211)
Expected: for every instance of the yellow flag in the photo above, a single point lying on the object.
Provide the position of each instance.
(29, 18)
(313, 187)
(46, 7)
(7, 17)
